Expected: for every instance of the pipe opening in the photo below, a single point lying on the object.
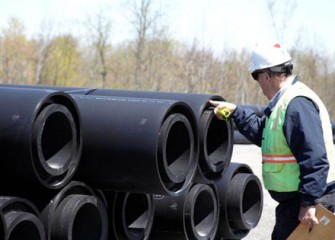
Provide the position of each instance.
(58, 131)
(136, 214)
(21, 224)
(176, 151)
(244, 204)
(252, 203)
(56, 144)
(217, 144)
(231, 190)
(24, 229)
(132, 215)
(204, 213)
(87, 224)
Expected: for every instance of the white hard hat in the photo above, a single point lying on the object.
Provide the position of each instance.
(267, 56)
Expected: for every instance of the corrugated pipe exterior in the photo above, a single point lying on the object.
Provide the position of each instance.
(193, 215)
(215, 137)
(241, 202)
(75, 213)
(21, 220)
(40, 133)
(130, 215)
(136, 144)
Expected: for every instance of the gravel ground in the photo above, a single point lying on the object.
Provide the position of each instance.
(251, 155)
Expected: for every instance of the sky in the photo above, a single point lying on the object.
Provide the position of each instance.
(216, 24)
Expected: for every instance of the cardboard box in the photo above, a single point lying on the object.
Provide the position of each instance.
(325, 230)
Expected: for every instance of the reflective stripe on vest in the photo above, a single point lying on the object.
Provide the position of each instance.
(278, 158)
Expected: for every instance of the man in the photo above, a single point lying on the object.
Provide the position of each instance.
(295, 135)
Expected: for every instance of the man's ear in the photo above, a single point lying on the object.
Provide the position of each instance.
(267, 76)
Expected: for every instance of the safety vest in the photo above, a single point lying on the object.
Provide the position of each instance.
(280, 168)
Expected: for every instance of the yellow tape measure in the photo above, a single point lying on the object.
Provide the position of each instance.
(225, 112)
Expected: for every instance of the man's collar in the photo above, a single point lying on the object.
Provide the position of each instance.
(289, 81)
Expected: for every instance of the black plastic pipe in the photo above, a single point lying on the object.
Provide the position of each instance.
(241, 202)
(22, 219)
(193, 215)
(40, 140)
(75, 213)
(238, 137)
(136, 145)
(216, 138)
(130, 215)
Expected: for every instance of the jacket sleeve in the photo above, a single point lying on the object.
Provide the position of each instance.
(249, 124)
(304, 135)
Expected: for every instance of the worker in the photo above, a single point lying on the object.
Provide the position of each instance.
(295, 136)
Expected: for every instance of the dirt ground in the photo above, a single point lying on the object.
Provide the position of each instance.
(251, 155)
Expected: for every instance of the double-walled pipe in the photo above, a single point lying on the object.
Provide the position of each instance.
(136, 144)
(130, 215)
(241, 202)
(215, 137)
(75, 213)
(193, 215)
(21, 220)
(40, 140)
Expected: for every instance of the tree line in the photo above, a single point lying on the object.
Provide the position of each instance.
(152, 60)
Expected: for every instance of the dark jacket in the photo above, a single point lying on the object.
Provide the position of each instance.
(303, 133)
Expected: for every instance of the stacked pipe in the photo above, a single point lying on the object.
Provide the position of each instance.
(75, 212)
(153, 165)
(130, 215)
(138, 145)
(193, 215)
(40, 140)
(241, 202)
(40, 149)
(19, 219)
(215, 148)
(215, 136)
(238, 137)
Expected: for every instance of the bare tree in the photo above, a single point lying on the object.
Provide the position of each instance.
(99, 32)
(143, 21)
(43, 41)
(281, 13)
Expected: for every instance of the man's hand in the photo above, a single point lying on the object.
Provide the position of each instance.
(307, 216)
(223, 109)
